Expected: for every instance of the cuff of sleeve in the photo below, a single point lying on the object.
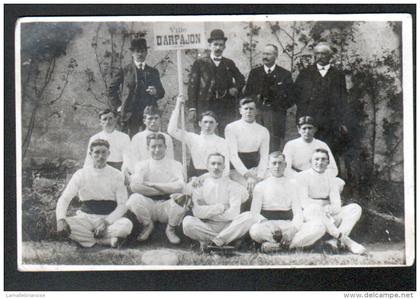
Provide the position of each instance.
(192, 109)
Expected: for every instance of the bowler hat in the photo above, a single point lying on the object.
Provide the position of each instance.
(217, 34)
(138, 43)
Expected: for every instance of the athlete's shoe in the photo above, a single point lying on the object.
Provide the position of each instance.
(352, 246)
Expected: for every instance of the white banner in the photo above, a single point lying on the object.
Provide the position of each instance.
(174, 36)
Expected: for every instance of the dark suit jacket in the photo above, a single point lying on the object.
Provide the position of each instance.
(127, 91)
(201, 87)
(279, 88)
(323, 98)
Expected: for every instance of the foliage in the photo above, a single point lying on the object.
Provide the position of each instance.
(249, 46)
(41, 45)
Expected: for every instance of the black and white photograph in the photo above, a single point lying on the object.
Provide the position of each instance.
(214, 142)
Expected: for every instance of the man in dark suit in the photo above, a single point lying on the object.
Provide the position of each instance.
(134, 87)
(272, 86)
(215, 83)
(321, 93)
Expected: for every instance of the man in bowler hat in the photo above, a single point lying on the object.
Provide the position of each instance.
(134, 87)
(271, 85)
(215, 83)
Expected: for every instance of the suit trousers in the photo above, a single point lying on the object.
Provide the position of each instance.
(275, 122)
(83, 226)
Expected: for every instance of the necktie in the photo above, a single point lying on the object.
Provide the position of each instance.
(217, 58)
(269, 72)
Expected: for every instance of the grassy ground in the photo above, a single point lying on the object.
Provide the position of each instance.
(64, 253)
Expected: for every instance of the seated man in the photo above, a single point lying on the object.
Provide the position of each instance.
(201, 145)
(320, 198)
(277, 209)
(119, 142)
(101, 190)
(153, 181)
(138, 147)
(298, 152)
(216, 208)
(249, 145)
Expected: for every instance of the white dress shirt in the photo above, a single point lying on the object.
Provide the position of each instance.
(271, 69)
(323, 69)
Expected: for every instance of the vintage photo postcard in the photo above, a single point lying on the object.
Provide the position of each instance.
(214, 142)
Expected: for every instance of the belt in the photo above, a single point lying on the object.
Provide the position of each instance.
(296, 169)
(277, 215)
(192, 171)
(116, 165)
(98, 207)
(250, 160)
(159, 197)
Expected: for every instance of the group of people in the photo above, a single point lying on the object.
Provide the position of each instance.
(234, 185)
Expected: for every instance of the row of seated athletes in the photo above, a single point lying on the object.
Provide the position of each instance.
(159, 193)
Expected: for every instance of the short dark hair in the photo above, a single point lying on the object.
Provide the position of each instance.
(215, 154)
(106, 111)
(277, 154)
(322, 150)
(99, 142)
(152, 110)
(247, 100)
(155, 136)
(306, 120)
(209, 113)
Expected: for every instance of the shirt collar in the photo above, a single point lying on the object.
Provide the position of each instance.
(326, 67)
(266, 68)
(212, 57)
(140, 65)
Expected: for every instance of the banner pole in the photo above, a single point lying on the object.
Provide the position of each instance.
(181, 91)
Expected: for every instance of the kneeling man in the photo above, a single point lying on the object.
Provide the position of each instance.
(320, 197)
(216, 207)
(277, 210)
(153, 182)
(103, 194)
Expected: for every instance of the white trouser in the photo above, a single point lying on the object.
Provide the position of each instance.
(308, 234)
(342, 223)
(83, 226)
(148, 210)
(227, 231)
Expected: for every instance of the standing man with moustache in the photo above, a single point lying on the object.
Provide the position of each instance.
(272, 86)
(215, 83)
(321, 93)
(139, 86)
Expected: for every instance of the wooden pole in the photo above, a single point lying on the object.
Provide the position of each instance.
(181, 91)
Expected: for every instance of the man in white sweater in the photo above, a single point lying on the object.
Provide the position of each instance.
(153, 182)
(138, 146)
(200, 145)
(119, 142)
(298, 152)
(103, 195)
(216, 207)
(249, 145)
(277, 210)
(319, 194)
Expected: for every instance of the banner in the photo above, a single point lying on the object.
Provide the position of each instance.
(176, 36)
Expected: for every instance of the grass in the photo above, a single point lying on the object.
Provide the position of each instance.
(64, 253)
